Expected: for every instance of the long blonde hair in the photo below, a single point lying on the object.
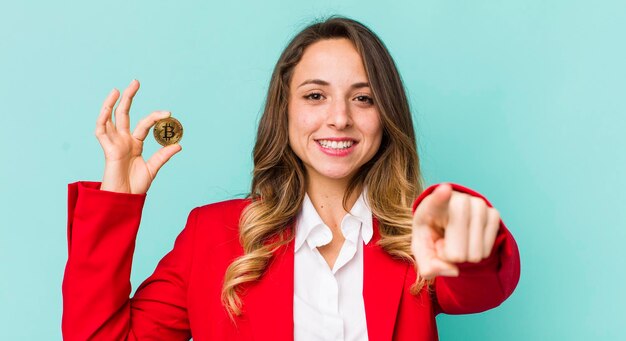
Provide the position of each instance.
(392, 176)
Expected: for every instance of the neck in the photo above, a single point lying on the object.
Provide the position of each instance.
(327, 198)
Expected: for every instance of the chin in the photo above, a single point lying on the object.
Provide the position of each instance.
(337, 174)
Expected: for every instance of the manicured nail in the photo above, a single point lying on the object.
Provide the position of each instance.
(449, 273)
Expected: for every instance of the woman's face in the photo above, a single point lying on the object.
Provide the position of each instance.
(334, 127)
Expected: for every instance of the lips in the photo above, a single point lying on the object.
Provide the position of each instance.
(335, 144)
(337, 147)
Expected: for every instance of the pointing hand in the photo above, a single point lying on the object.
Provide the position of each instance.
(451, 227)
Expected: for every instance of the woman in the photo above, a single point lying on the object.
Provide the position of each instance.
(327, 246)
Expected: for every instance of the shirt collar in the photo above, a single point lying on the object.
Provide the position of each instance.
(310, 227)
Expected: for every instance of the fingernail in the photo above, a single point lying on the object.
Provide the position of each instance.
(449, 273)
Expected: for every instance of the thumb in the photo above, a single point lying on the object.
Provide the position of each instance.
(427, 257)
(161, 157)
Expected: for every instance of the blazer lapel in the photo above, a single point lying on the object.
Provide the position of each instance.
(268, 304)
(383, 282)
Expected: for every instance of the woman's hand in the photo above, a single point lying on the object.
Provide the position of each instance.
(451, 227)
(125, 170)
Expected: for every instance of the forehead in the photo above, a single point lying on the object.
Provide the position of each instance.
(333, 60)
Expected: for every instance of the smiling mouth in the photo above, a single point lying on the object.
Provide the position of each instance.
(336, 145)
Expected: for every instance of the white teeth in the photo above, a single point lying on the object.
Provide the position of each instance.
(335, 144)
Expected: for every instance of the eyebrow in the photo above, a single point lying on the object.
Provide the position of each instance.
(323, 82)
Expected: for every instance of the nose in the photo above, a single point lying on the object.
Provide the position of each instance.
(339, 115)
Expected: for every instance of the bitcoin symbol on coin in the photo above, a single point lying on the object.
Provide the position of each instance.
(168, 131)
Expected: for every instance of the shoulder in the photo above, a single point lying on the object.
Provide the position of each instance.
(224, 209)
(220, 218)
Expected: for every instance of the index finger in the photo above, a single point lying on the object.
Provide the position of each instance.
(433, 210)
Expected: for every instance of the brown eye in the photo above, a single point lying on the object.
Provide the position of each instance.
(316, 96)
(365, 99)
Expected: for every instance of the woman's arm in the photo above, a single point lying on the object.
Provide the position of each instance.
(103, 219)
(480, 285)
(102, 227)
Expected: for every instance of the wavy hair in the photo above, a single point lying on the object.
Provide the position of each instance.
(392, 176)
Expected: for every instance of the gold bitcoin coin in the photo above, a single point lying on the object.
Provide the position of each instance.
(168, 131)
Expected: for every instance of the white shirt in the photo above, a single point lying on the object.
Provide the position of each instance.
(328, 303)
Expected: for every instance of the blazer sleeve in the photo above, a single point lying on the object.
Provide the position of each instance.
(101, 231)
(483, 285)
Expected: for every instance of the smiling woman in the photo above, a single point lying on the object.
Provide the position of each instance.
(337, 239)
(334, 126)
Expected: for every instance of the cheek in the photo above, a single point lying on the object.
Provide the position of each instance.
(297, 133)
(301, 125)
(376, 144)
(372, 128)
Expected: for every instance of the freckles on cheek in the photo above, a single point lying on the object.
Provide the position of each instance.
(306, 122)
(297, 128)
(303, 124)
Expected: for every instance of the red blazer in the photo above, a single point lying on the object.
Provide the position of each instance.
(182, 298)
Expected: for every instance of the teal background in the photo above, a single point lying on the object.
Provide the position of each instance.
(520, 100)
